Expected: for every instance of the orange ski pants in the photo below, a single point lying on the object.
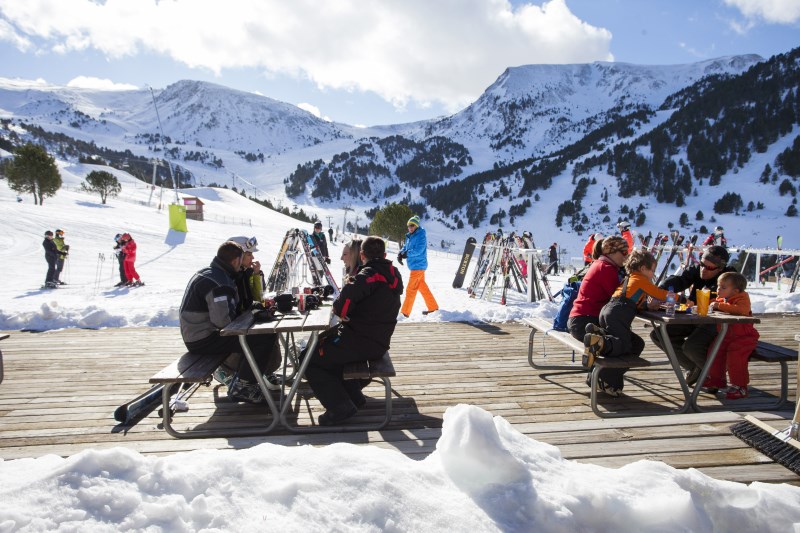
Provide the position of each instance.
(416, 282)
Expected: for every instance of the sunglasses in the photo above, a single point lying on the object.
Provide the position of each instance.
(252, 242)
(710, 268)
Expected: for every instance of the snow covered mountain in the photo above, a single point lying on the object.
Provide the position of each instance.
(540, 137)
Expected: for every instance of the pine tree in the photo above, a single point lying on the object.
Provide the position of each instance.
(391, 221)
(104, 183)
(33, 170)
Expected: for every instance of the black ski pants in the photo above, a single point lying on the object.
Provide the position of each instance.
(616, 318)
(577, 328)
(51, 269)
(325, 370)
(121, 259)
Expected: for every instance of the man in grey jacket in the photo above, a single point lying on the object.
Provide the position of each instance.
(209, 304)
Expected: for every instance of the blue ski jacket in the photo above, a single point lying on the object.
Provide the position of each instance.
(416, 250)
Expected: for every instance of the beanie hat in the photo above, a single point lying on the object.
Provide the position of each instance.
(48, 232)
(413, 220)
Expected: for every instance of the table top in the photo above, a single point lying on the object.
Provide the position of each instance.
(713, 317)
(316, 320)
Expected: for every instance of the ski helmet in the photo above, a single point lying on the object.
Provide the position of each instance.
(59, 232)
(126, 236)
(118, 236)
(318, 224)
(598, 236)
(248, 244)
(623, 225)
(718, 229)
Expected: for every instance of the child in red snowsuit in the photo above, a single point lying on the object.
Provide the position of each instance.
(738, 344)
(129, 249)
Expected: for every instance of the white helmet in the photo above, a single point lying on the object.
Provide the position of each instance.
(623, 225)
(718, 229)
(248, 244)
(598, 236)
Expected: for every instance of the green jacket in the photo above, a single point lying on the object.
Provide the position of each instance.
(59, 243)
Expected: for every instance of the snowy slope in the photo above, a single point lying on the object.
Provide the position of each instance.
(167, 259)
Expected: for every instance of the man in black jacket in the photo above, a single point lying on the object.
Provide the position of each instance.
(368, 307)
(319, 239)
(209, 304)
(690, 342)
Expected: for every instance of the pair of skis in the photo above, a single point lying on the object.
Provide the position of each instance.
(281, 276)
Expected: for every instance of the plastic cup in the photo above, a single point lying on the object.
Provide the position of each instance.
(703, 297)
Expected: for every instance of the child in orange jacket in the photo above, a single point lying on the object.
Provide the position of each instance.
(738, 344)
(614, 337)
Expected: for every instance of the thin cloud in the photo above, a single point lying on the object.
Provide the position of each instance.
(446, 51)
(9, 34)
(88, 82)
(314, 110)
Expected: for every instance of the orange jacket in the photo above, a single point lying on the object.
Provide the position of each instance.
(640, 286)
(739, 305)
(587, 250)
(628, 236)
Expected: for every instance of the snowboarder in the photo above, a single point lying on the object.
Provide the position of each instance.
(63, 252)
(129, 249)
(121, 259)
(51, 254)
(717, 238)
(415, 250)
(320, 241)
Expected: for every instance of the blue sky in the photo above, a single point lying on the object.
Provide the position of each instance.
(369, 61)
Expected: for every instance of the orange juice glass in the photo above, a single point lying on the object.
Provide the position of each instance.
(703, 297)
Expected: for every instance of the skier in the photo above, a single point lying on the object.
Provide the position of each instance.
(367, 306)
(121, 259)
(320, 241)
(129, 248)
(717, 238)
(589, 246)
(51, 254)
(553, 258)
(63, 252)
(330, 233)
(624, 228)
(415, 250)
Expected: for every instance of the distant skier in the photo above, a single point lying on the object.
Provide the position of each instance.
(320, 241)
(129, 249)
(330, 234)
(121, 259)
(624, 228)
(51, 254)
(717, 238)
(552, 256)
(63, 252)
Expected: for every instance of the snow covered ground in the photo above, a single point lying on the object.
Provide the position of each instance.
(484, 476)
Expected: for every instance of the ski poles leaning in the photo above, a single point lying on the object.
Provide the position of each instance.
(98, 271)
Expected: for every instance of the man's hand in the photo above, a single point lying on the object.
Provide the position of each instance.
(256, 265)
(328, 260)
(400, 257)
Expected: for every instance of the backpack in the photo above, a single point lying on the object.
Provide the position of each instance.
(568, 295)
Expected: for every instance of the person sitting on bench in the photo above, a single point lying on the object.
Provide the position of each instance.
(209, 304)
(368, 307)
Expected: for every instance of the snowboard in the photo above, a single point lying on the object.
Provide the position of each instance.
(139, 406)
(463, 265)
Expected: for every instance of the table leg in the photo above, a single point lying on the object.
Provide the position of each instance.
(723, 330)
(661, 329)
(311, 347)
(261, 382)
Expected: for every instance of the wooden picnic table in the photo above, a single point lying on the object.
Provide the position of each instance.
(285, 325)
(661, 321)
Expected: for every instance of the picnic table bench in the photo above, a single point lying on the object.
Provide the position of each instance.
(2, 337)
(772, 353)
(546, 328)
(377, 369)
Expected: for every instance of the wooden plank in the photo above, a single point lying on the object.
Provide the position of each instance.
(80, 376)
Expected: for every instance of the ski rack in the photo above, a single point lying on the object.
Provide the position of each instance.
(297, 252)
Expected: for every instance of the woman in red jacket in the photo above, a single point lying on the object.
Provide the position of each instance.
(597, 288)
(129, 249)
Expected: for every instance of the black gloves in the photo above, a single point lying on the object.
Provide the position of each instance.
(328, 260)
(401, 256)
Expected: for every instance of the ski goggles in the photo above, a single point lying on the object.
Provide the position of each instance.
(710, 268)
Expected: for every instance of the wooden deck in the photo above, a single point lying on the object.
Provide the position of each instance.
(61, 388)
